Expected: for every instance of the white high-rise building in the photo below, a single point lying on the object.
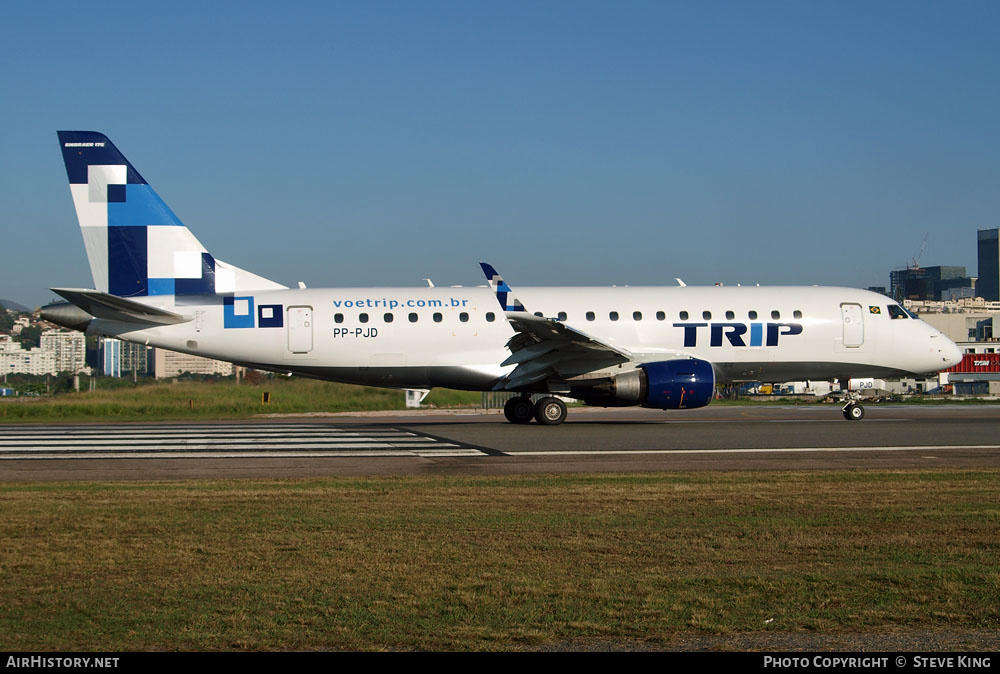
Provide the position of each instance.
(15, 360)
(68, 348)
(173, 364)
(59, 352)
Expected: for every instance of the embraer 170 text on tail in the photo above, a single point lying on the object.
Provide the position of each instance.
(664, 348)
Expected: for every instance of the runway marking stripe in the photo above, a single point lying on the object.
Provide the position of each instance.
(230, 446)
(298, 441)
(205, 431)
(205, 441)
(425, 453)
(908, 448)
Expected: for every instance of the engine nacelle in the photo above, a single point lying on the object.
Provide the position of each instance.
(667, 385)
(679, 384)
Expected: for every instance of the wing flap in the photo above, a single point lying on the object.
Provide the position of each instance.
(549, 329)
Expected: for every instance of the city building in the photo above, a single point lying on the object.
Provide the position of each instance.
(930, 283)
(988, 286)
(15, 360)
(136, 358)
(119, 357)
(59, 352)
(173, 364)
(111, 357)
(965, 320)
(68, 349)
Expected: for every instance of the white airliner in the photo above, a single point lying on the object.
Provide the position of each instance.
(663, 348)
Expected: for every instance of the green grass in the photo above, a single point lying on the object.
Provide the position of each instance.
(217, 400)
(224, 399)
(493, 562)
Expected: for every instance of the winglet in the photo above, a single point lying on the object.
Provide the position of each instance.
(505, 296)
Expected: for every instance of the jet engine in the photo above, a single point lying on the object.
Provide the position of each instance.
(668, 385)
(67, 315)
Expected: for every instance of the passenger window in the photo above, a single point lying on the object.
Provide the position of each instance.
(707, 315)
(613, 315)
(413, 318)
(387, 318)
(683, 315)
(775, 315)
(464, 317)
(730, 315)
(636, 315)
(752, 315)
(490, 316)
(562, 316)
(437, 317)
(660, 316)
(797, 314)
(539, 314)
(363, 318)
(590, 316)
(338, 318)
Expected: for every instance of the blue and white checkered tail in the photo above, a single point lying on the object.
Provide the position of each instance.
(505, 296)
(136, 245)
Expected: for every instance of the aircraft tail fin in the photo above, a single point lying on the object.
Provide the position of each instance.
(136, 245)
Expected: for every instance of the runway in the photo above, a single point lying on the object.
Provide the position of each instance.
(476, 443)
(220, 441)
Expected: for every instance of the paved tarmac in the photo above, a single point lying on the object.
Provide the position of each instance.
(475, 443)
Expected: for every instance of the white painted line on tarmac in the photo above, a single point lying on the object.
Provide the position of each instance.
(201, 442)
(778, 450)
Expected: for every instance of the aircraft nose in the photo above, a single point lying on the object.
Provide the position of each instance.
(951, 353)
(946, 353)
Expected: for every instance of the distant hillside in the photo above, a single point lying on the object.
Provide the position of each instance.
(11, 304)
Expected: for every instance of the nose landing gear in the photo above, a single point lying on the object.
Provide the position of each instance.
(853, 411)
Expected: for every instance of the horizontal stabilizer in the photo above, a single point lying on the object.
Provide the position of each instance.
(114, 308)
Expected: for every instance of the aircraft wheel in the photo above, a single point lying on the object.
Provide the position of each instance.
(518, 410)
(854, 412)
(550, 411)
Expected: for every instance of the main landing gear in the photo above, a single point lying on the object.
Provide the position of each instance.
(548, 411)
(853, 411)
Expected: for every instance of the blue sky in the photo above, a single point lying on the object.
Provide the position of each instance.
(570, 143)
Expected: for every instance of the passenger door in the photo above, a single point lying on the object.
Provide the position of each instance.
(300, 329)
(854, 325)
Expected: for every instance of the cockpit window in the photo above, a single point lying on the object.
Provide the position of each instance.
(896, 311)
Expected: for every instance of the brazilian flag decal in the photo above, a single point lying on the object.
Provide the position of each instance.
(875, 310)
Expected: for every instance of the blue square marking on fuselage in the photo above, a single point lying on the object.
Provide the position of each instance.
(270, 316)
(237, 312)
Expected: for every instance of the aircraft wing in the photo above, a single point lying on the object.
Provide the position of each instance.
(114, 308)
(544, 349)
